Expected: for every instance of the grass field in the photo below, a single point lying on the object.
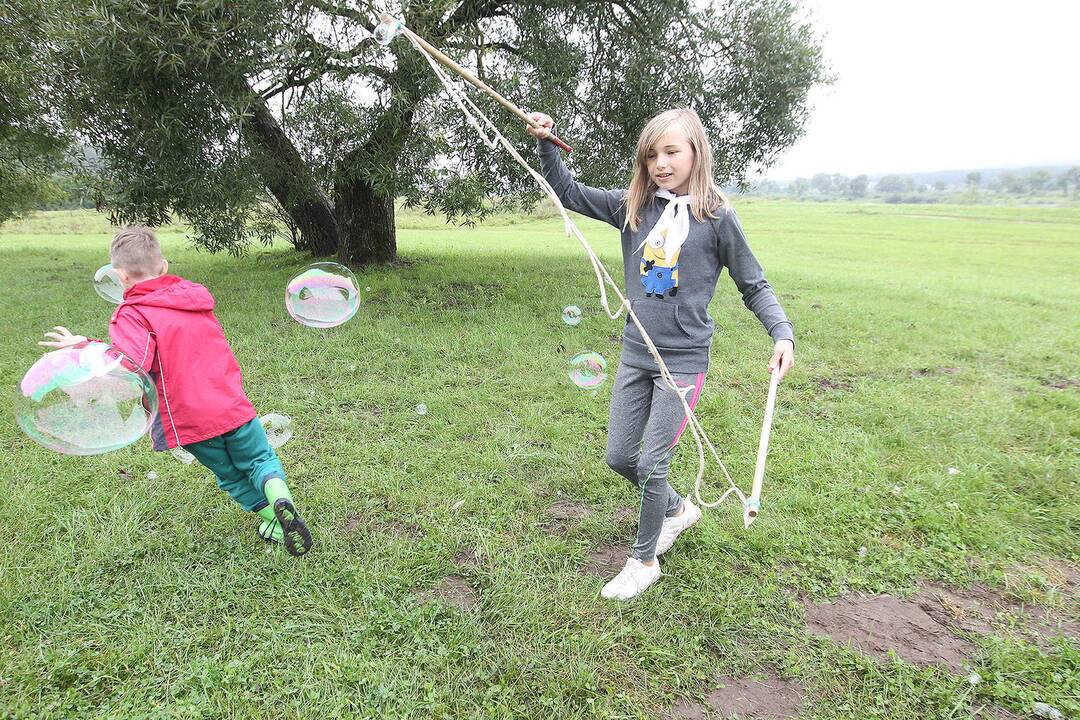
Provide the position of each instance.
(929, 338)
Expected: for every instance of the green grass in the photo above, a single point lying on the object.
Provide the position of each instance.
(133, 598)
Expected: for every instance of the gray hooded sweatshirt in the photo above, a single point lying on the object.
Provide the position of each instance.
(671, 298)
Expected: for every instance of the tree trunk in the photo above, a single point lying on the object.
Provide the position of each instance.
(366, 222)
(366, 214)
(287, 176)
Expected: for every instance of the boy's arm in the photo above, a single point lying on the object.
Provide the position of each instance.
(605, 205)
(129, 333)
(757, 294)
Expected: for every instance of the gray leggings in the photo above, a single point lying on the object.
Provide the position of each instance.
(646, 421)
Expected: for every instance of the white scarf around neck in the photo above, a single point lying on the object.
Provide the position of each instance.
(676, 223)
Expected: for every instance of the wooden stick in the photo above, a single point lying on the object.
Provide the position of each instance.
(480, 84)
(753, 503)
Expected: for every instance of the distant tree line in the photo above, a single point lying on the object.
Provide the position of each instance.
(940, 187)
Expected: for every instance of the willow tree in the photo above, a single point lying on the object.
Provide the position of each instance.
(206, 109)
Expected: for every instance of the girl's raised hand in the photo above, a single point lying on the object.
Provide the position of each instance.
(545, 122)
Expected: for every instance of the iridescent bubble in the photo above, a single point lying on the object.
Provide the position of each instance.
(324, 295)
(588, 370)
(107, 284)
(278, 429)
(182, 455)
(421, 409)
(86, 399)
(386, 31)
(571, 315)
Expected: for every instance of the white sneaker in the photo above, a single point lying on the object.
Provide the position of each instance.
(673, 526)
(633, 580)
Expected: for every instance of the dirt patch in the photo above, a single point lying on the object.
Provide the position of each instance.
(1063, 576)
(826, 384)
(398, 529)
(605, 561)
(930, 372)
(466, 558)
(922, 630)
(626, 515)
(452, 590)
(981, 610)
(563, 514)
(351, 524)
(1061, 383)
(877, 624)
(772, 697)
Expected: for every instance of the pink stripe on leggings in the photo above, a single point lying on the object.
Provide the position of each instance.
(693, 402)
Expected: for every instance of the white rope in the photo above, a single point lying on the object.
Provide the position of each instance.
(493, 138)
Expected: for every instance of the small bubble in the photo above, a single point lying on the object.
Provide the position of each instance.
(151, 475)
(421, 409)
(862, 551)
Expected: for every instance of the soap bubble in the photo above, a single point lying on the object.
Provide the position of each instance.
(107, 284)
(324, 295)
(421, 409)
(588, 370)
(182, 455)
(571, 315)
(278, 429)
(85, 399)
(386, 31)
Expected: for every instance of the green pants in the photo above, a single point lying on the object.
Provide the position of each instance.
(243, 461)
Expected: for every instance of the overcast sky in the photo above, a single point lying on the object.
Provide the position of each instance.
(942, 84)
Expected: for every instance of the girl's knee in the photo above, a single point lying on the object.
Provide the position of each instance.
(623, 463)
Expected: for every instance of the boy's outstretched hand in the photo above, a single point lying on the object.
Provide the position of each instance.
(783, 357)
(62, 338)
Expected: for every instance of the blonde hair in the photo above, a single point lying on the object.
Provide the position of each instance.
(136, 251)
(705, 196)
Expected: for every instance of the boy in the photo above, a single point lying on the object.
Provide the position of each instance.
(167, 325)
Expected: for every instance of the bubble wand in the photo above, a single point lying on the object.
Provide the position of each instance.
(390, 27)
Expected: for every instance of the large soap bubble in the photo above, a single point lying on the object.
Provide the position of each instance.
(324, 295)
(86, 399)
(588, 370)
(387, 30)
(107, 284)
(278, 429)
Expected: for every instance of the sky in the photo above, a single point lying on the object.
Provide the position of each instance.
(927, 85)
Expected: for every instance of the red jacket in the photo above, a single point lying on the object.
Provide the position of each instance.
(167, 325)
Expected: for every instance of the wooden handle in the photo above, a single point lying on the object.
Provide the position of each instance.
(480, 84)
(763, 444)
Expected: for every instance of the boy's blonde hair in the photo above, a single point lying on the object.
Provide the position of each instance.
(136, 251)
(705, 196)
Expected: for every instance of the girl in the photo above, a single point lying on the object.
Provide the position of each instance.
(678, 233)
